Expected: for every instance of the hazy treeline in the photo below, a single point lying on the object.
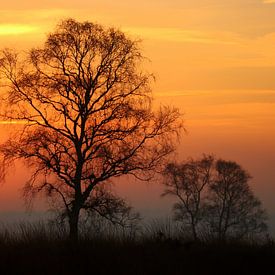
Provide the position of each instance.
(214, 198)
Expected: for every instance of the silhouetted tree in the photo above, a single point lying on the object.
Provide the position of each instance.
(214, 195)
(233, 210)
(188, 182)
(104, 203)
(103, 209)
(86, 111)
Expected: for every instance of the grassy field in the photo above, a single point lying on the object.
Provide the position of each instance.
(36, 249)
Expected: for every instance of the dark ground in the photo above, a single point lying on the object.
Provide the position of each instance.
(130, 257)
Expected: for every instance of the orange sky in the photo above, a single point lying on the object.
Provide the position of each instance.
(214, 59)
(199, 44)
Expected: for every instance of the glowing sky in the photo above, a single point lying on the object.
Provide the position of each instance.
(200, 44)
(214, 59)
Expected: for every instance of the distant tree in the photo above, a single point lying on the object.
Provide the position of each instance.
(233, 210)
(188, 182)
(214, 195)
(86, 112)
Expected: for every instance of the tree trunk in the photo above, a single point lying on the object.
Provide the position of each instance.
(194, 229)
(195, 236)
(73, 223)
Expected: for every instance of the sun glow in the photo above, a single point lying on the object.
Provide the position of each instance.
(15, 29)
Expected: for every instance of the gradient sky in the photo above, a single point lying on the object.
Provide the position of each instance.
(198, 44)
(214, 59)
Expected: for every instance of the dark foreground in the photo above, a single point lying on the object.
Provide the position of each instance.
(131, 257)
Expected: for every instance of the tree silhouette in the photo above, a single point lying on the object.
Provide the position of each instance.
(188, 182)
(104, 203)
(86, 109)
(233, 210)
(214, 195)
(103, 209)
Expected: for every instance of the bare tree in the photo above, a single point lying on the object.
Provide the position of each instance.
(103, 210)
(188, 182)
(233, 210)
(106, 204)
(87, 115)
(214, 195)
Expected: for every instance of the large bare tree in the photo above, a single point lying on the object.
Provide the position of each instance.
(86, 109)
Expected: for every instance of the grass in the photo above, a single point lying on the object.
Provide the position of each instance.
(43, 249)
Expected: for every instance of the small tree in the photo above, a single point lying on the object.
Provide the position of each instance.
(233, 210)
(188, 182)
(214, 195)
(86, 109)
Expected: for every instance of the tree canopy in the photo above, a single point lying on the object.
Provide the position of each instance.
(86, 110)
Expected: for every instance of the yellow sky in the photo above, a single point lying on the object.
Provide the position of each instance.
(199, 44)
(214, 59)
